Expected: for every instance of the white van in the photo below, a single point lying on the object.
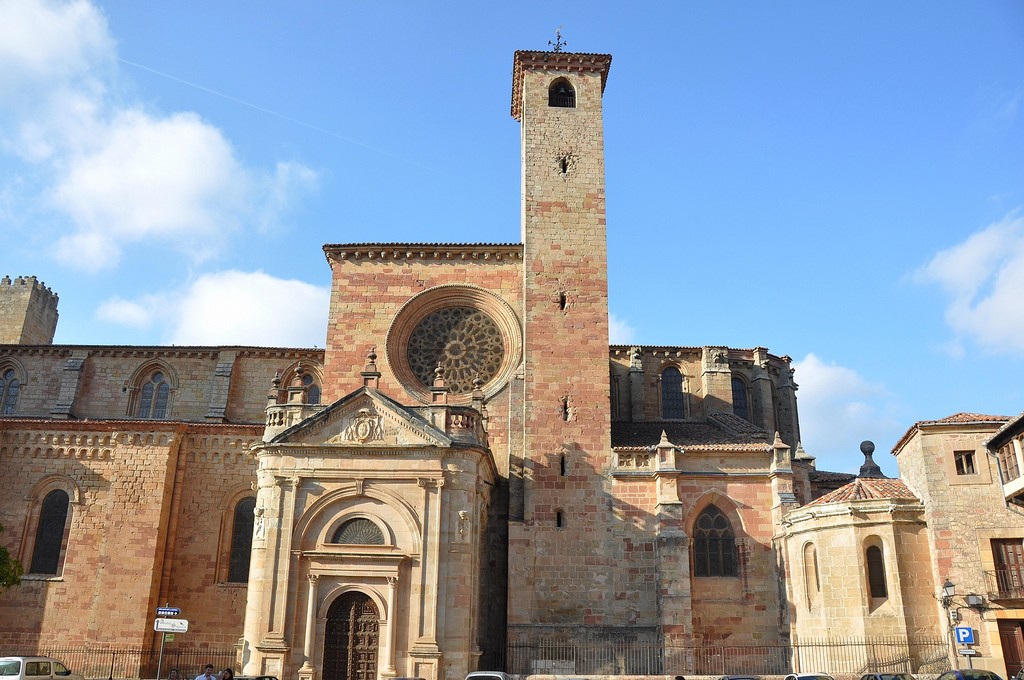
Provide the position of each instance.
(35, 668)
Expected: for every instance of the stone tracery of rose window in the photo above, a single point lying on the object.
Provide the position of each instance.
(464, 341)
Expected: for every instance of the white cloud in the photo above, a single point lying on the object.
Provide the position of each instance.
(250, 308)
(173, 178)
(44, 42)
(121, 174)
(127, 313)
(280, 190)
(619, 331)
(984, 278)
(838, 410)
(230, 308)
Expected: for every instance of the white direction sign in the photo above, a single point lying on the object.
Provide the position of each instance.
(171, 625)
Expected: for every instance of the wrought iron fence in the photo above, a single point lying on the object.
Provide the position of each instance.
(611, 657)
(853, 656)
(129, 663)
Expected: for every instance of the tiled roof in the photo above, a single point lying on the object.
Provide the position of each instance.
(1013, 425)
(683, 434)
(826, 476)
(866, 489)
(731, 422)
(955, 419)
(965, 418)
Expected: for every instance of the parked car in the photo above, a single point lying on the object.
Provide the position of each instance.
(809, 676)
(887, 676)
(740, 677)
(35, 668)
(255, 677)
(969, 674)
(488, 675)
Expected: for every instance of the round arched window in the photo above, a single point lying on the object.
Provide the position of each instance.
(466, 332)
(358, 531)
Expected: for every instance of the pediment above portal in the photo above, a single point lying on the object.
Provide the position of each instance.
(365, 418)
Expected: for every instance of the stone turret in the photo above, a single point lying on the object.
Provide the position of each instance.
(28, 312)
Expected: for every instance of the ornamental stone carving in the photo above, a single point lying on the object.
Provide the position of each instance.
(366, 427)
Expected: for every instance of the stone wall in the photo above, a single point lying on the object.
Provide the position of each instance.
(117, 483)
(214, 384)
(28, 312)
(959, 535)
(145, 529)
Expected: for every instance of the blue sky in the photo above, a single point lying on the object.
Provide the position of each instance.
(842, 183)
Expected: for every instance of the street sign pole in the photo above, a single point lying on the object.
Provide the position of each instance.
(160, 662)
(163, 611)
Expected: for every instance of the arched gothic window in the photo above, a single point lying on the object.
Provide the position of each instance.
(9, 388)
(49, 543)
(672, 402)
(241, 541)
(358, 531)
(876, 573)
(312, 389)
(714, 544)
(561, 94)
(153, 396)
(739, 398)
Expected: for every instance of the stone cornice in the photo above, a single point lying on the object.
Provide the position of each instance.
(430, 252)
(136, 426)
(670, 351)
(126, 351)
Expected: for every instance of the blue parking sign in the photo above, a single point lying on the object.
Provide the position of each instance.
(964, 635)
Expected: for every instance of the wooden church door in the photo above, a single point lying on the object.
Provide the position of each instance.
(351, 639)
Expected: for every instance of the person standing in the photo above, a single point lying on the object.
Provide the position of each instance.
(207, 673)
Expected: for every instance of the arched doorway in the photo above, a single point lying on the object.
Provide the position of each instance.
(351, 639)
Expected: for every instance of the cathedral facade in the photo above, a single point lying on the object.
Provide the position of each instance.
(465, 470)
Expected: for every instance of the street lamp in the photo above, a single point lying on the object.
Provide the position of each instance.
(948, 591)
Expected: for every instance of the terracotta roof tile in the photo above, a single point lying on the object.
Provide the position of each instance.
(1003, 434)
(731, 422)
(956, 418)
(866, 489)
(826, 476)
(965, 418)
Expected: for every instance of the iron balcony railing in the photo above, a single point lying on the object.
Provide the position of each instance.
(1005, 584)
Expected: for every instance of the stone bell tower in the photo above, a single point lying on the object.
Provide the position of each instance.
(565, 509)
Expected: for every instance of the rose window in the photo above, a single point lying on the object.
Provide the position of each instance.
(465, 342)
